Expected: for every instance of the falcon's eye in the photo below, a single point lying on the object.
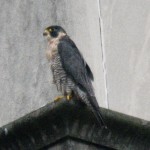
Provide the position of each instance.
(50, 30)
(53, 32)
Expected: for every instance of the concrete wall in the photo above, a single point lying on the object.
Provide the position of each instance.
(126, 30)
(25, 77)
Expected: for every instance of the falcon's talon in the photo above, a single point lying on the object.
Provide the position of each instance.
(58, 98)
(68, 97)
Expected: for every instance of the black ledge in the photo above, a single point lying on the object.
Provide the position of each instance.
(65, 120)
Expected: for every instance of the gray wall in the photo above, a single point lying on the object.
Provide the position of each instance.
(126, 29)
(25, 77)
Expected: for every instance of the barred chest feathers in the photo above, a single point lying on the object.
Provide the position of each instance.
(63, 83)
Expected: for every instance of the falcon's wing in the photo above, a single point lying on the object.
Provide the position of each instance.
(74, 64)
(75, 67)
(90, 74)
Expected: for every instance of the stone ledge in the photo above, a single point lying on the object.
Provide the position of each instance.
(70, 119)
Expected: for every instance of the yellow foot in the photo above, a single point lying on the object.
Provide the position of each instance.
(58, 98)
(68, 97)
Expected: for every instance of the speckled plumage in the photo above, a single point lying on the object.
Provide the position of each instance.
(71, 73)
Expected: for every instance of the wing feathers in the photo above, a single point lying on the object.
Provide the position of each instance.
(75, 66)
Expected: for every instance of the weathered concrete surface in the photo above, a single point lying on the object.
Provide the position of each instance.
(69, 143)
(126, 32)
(70, 125)
(25, 78)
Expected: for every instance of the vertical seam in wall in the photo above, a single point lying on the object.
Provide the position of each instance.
(103, 55)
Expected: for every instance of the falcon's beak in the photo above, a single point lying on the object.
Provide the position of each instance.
(45, 33)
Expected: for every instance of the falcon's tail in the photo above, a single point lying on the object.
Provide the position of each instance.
(96, 111)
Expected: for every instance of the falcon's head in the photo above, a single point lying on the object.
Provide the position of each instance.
(53, 32)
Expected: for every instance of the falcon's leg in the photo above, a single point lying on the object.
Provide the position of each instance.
(58, 98)
(68, 93)
(69, 97)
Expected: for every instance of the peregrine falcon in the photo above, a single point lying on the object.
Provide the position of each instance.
(71, 73)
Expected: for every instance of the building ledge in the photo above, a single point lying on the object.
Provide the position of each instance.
(70, 121)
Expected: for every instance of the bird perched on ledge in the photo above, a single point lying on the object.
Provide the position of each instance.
(71, 73)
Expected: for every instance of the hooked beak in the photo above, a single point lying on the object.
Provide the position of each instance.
(45, 33)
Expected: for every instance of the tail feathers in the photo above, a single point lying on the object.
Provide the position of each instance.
(96, 111)
(99, 118)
